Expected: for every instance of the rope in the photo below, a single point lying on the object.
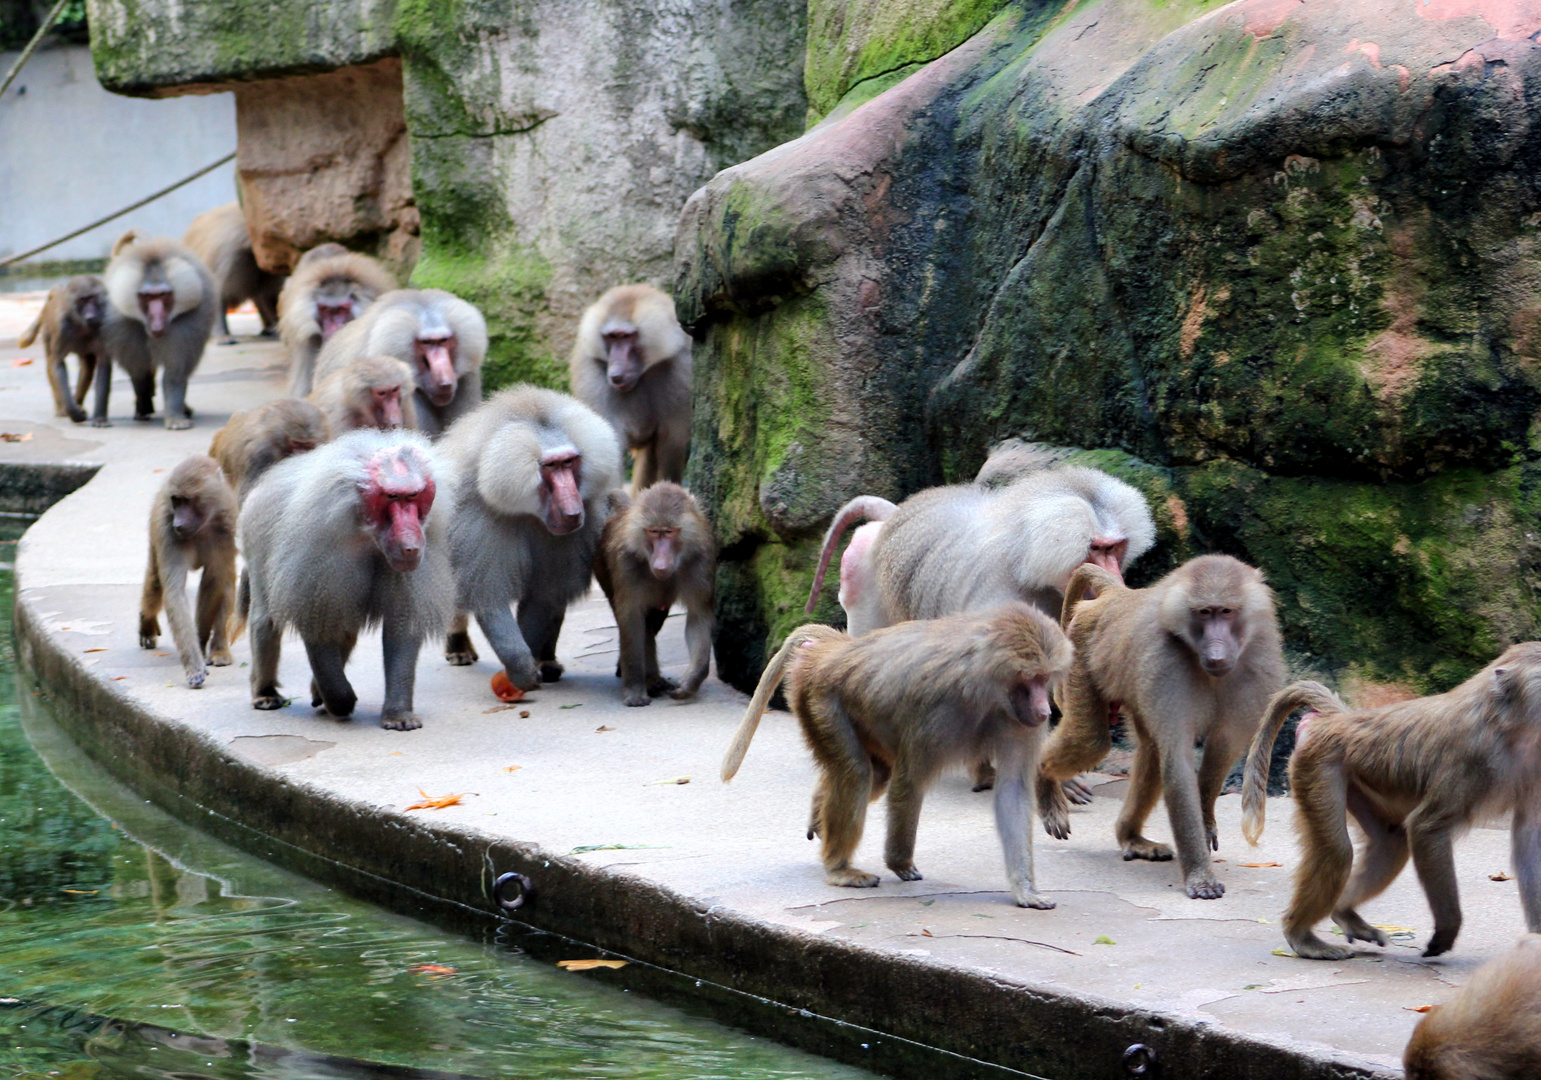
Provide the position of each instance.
(26, 54)
(119, 213)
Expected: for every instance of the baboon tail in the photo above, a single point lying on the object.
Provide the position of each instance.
(770, 679)
(29, 335)
(1254, 791)
(242, 605)
(863, 507)
(1086, 576)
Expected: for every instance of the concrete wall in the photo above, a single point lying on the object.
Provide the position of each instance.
(71, 152)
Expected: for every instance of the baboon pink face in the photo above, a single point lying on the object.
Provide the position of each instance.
(155, 305)
(1108, 553)
(561, 501)
(333, 316)
(436, 366)
(1217, 631)
(397, 497)
(663, 546)
(623, 357)
(387, 406)
(1030, 701)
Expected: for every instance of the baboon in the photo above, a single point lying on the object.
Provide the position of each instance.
(1412, 774)
(1490, 1030)
(162, 307)
(631, 364)
(71, 322)
(653, 551)
(338, 540)
(220, 239)
(330, 287)
(533, 469)
(371, 391)
(192, 526)
(254, 440)
(969, 546)
(1195, 656)
(440, 336)
(893, 708)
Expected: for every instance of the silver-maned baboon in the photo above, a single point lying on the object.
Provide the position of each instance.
(631, 364)
(254, 440)
(1490, 1030)
(1194, 657)
(1412, 774)
(71, 322)
(339, 540)
(440, 336)
(163, 304)
(371, 391)
(330, 287)
(192, 526)
(655, 551)
(219, 238)
(534, 468)
(896, 706)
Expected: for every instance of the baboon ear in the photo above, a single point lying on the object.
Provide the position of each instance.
(1505, 681)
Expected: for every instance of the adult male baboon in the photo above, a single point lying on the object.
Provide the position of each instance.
(656, 550)
(71, 322)
(631, 364)
(440, 336)
(1412, 774)
(192, 526)
(330, 287)
(339, 540)
(252, 441)
(371, 391)
(1490, 1030)
(533, 471)
(893, 708)
(1195, 656)
(163, 305)
(220, 239)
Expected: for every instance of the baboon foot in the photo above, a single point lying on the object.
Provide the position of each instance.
(221, 658)
(268, 332)
(1032, 899)
(1141, 848)
(682, 693)
(1356, 929)
(1441, 942)
(178, 423)
(659, 685)
(101, 422)
(984, 776)
(341, 708)
(149, 630)
(906, 872)
(228, 341)
(636, 698)
(267, 702)
(852, 878)
(1314, 948)
(195, 679)
(459, 651)
(1204, 887)
(1077, 790)
(406, 721)
(141, 417)
(550, 671)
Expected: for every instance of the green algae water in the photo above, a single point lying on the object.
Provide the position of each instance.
(132, 946)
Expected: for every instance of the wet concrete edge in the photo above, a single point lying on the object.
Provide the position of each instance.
(400, 863)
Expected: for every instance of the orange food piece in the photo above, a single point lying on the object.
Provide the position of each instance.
(505, 690)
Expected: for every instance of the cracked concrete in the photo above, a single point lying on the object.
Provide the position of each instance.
(585, 796)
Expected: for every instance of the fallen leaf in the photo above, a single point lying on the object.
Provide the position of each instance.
(81, 892)
(575, 705)
(590, 965)
(22, 361)
(1255, 865)
(93, 650)
(394, 753)
(1104, 940)
(927, 903)
(1252, 986)
(498, 708)
(524, 714)
(1281, 952)
(11, 436)
(660, 783)
(1417, 1008)
(926, 933)
(120, 678)
(512, 768)
(601, 727)
(160, 654)
(1500, 876)
(438, 802)
(504, 690)
(431, 969)
(609, 847)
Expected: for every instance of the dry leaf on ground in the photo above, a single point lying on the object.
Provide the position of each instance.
(1417, 1008)
(1500, 876)
(22, 361)
(512, 768)
(1258, 864)
(671, 780)
(601, 727)
(438, 802)
(590, 965)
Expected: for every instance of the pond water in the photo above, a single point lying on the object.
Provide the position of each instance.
(132, 946)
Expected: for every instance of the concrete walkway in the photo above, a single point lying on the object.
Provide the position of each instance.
(589, 799)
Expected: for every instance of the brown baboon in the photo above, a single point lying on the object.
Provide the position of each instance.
(1490, 1030)
(631, 365)
(893, 708)
(220, 239)
(330, 287)
(533, 468)
(371, 391)
(652, 552)
(440, 336)
(1194, 657)
(163, 304)
(192, 526)
(337, 540)
(1412, 774)
(71, 322)
(254, 440)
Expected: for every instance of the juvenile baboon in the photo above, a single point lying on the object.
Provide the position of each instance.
(192, 526)
(533, 470)
(1413, 774)
(339, 540)
(330, 287)
(1195, 656)
(254, 440)
(219, 238)
(371, 391)
(654, 551)
(895, 707)
(631, 364)
(1490, 1030)
(440, 336)
(162, 307)
(71, 322)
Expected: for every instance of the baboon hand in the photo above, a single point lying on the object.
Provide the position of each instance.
(268, 702)
(636, 698)
(1053, 808)
(1077, 790)
(222, 658)
(195, 679)
(1028, 898)
(405, 721)
(1204, 887)
(1441, 942)
(906, 872)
